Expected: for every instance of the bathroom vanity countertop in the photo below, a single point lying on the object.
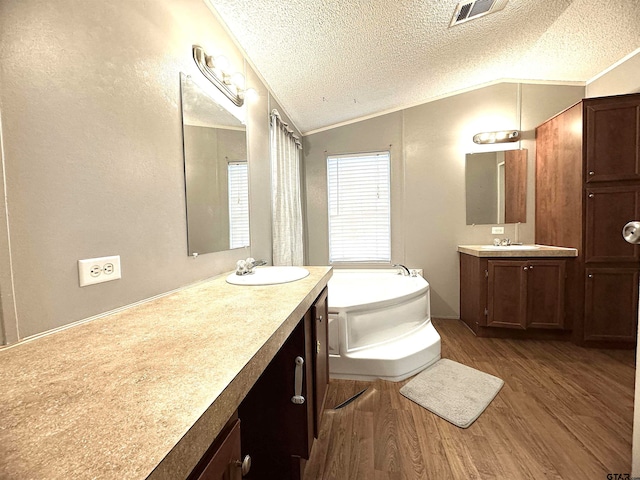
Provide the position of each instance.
(517, 251)
(142, 393)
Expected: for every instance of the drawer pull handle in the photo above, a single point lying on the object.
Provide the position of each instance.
(298, 399)
(592, 173)
(244, 465)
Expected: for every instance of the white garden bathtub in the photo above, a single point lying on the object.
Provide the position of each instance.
(379, 325)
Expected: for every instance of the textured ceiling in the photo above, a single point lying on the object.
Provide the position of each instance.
(331, 61)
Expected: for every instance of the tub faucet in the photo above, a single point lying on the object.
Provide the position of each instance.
(404, 270)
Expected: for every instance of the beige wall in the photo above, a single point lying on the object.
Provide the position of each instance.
(377, 134)
(429, 143)
(92, 152)
(624, 78)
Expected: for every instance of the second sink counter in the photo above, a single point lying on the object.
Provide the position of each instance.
(142, 393)
(513, 251)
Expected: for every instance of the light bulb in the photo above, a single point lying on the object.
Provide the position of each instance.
(238, 80)
(251, 94)
(221, 63)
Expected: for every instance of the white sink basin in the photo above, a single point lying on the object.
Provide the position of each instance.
(510, 247)
(269, 276)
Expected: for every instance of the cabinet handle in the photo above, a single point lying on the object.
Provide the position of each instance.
(591, 195)
(244, 465)
(592, 173)
(320, 318)
(298, 399)
(526, 268)
(590, 275)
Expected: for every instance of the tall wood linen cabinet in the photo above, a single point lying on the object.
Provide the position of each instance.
(587, 189)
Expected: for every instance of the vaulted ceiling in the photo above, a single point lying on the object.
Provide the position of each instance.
(333, 61)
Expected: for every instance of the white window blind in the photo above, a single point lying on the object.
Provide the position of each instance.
(238, 204)
(359, 207)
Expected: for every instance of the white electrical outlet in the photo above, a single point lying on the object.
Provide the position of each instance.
(497, 230)
(98, 270)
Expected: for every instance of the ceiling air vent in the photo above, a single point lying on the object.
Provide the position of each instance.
(466, 11)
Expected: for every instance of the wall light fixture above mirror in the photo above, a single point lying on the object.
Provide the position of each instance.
(216, 71)
(503, 136)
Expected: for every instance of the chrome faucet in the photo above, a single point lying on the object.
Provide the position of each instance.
(505, 242)
(245, 267)
(404, 270)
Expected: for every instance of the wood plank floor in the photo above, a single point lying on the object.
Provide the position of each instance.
(564, 412)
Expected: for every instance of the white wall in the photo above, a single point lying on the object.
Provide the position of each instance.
(428, 147)
(92, 154)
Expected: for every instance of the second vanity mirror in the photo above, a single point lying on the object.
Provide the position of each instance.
(496, 187)
(216, 172)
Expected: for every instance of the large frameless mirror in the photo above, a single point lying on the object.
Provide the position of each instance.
(496, 187)
(216, 172)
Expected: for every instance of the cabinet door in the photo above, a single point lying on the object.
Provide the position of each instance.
(611, 304)
(608, 209)
(545, 294)
(515, 172)
(507, 294)
(274, 429)
(320, 317)
(612, 139)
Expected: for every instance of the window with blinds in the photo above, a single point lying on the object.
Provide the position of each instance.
(359, 191)
(238, 204)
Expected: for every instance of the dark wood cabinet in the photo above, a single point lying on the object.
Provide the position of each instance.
(546, 284)
(611, 304)
(277, 429)
(608, 209)
(515, 194)
(507, 294)
(587, 189)
(281, 413)
(526, 293)
(612, 136)
(523, 296)
(320, 316)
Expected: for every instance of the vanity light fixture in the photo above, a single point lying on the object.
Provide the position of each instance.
(504, 136)
(214, 69)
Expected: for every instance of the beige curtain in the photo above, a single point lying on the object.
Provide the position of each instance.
(286, 195)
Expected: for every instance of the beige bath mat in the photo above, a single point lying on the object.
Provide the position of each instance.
(453, 391)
